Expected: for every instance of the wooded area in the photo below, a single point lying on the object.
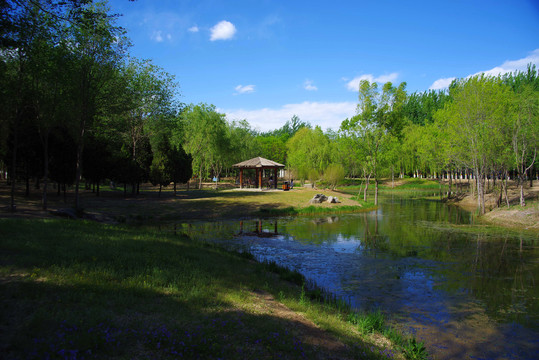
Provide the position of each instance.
(75, 106)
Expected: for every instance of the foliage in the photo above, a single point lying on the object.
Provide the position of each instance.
(476, 121)
(333, 174)
(309, 153)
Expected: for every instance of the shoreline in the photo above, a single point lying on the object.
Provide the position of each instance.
(512, 217)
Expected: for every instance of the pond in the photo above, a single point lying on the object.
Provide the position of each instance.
(467, 292)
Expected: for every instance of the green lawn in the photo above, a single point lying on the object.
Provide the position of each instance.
(74, 289)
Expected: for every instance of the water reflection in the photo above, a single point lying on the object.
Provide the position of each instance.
(258, 228)
(466, 294)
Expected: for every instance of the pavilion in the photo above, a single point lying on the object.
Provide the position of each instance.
(259, 164)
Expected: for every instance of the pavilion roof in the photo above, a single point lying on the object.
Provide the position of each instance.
(258, 162)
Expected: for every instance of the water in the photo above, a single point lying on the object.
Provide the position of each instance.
(466, 294)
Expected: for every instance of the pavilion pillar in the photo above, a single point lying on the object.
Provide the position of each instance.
(260, 178)
(241, 178)
(275, 178)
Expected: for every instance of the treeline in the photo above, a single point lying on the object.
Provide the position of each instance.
(480, 128)
(75, 106)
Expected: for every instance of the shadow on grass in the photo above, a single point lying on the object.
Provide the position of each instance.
(78, 289)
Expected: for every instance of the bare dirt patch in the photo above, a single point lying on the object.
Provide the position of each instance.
(513, 216)
(306, 330)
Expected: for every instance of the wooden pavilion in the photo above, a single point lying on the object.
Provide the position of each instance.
(259, 164)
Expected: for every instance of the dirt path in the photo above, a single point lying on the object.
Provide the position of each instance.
(306, 330)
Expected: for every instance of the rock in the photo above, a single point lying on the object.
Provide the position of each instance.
(333, 200)
(69, 213)
(318, 198)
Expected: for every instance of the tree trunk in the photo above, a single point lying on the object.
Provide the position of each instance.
(79, 168)
(450, 176)
(366, 188)
(13, 168)
(505, 188)
(174, 188)
(44, 203)
(376, 191)
(521, 186)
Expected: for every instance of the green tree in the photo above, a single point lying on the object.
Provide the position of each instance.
(333, 174)
(476, 119)
(205, 139)
(525, 133)
(378, 120)
(97, 55)
(309, 153)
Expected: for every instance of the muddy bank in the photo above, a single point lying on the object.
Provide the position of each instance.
(514, 216)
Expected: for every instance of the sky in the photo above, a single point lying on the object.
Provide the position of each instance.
(267, 60)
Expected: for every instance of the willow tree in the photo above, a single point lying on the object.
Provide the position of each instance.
(205, 139)
(309, 153)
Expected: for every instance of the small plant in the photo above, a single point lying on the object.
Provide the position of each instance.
(414, 350)
(293, 276)
(303, 297)
(393, 335)
(368, 323)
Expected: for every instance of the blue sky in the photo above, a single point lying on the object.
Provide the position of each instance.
(265, 61)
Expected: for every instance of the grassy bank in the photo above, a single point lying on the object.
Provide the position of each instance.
(149, 207)
(73, 289)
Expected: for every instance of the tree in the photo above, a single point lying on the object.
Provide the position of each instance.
(309, 153)
(181, 166)
(97, 48)
(525, 133)
(333, 174)
(205, 139)
(374, 126)
(476, 119)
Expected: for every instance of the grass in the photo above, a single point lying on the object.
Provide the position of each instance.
(316, 210)
(406, 185)
(73, 289)
(188, 205)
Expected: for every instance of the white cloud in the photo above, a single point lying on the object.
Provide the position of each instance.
(327, 115)
(193, 29)
(387, 78)
(223, 30)
(308, 85)
(157, 36)
(507, 67)
(241, 89)
(353, 85)
(441, 83)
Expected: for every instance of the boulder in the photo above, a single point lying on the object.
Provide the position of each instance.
(318, 198)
